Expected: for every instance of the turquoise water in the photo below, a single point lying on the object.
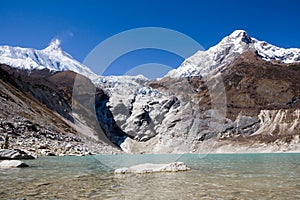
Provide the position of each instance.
(215, 176)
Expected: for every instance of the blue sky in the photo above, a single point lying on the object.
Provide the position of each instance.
(81, 25)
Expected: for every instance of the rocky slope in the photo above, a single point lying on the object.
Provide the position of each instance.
(36, 114)
(193, 115)
(261, 109)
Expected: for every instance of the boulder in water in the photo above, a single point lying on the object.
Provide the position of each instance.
(151, 168)
(12, 164)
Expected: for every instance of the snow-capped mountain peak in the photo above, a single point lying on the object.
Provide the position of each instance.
(239, 35)
(203, 62)
(227, 50)
(52, 58)
(54, 46)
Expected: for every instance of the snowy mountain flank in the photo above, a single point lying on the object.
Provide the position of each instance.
(174, 114)
(52, 58)
(225, 52)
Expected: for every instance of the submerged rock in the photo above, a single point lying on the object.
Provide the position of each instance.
(12, 164)
(151, 168)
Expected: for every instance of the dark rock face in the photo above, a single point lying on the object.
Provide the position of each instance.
(14, 154)
(36, 110)
(106, 119)
(90, 103)
(246, 38)
(242, 126)
(253, 85)
(51, 89)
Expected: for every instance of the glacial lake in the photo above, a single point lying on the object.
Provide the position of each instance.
(215, 176)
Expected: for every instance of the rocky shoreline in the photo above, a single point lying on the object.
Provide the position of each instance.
(26, 137)
(76, 146)
(82, 147)
(229, 147)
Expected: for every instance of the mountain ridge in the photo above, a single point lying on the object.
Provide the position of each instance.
(52, 58)
(202, 62)
(227, 50)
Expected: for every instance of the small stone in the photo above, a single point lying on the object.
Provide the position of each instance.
(68, 146)
(122, 170)
(43, 146)
(50, 154)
